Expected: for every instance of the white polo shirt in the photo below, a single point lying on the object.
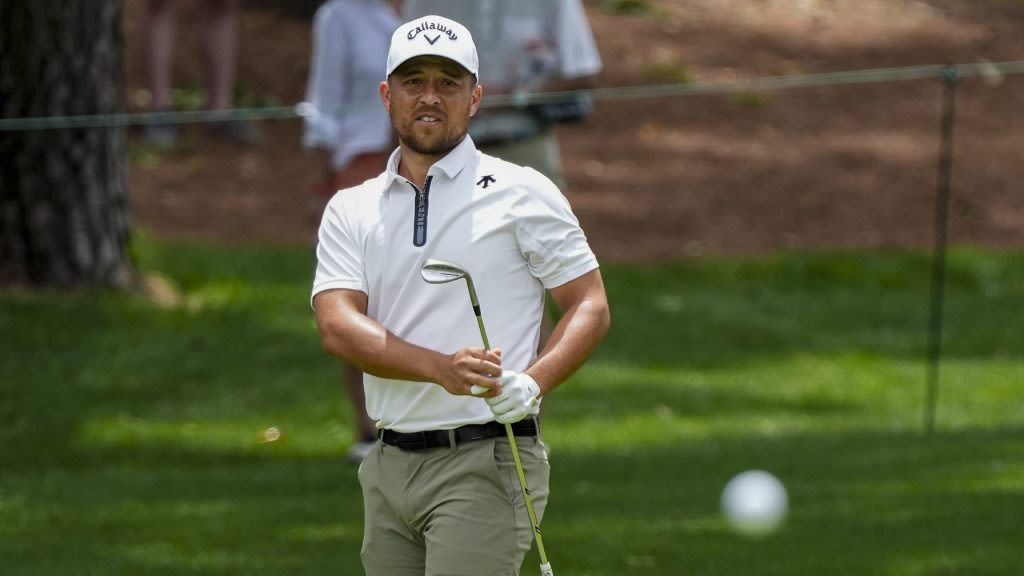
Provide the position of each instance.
(509, 226)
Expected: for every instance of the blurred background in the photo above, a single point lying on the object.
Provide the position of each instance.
(663, 178)
(766, 183)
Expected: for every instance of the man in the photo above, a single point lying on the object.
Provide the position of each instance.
(439, 491)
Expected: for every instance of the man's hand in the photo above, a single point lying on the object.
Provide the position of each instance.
(471, 369)
(517, 400)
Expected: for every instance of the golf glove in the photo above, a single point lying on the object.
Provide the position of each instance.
(518, 398)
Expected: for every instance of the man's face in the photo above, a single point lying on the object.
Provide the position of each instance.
(430, 100)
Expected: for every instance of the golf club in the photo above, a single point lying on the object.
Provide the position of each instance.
(441, 272)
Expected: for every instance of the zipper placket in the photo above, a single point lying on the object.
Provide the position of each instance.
(420, 212)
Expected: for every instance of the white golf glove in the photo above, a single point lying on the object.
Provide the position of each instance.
(518, 398)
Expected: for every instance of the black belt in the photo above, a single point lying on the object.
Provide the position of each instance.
(467, 433)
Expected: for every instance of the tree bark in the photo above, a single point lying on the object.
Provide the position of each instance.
(64, 209)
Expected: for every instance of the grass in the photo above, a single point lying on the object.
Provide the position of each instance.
(132, 438)
(748, 99)
(627, 6)
(669, 71)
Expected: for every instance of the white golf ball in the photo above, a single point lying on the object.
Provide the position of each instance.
(271, 434)
(754, 503)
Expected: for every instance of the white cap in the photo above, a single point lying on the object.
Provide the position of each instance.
(433, 36)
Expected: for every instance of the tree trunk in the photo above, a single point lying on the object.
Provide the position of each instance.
(64, 210)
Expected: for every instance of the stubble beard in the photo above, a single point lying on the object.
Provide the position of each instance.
(439, 146)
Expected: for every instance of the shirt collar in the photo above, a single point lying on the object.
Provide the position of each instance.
(452, 164)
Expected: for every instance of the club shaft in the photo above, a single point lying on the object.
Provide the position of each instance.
(476, 310)
(545, 566)
(526, 496)
(483, 332)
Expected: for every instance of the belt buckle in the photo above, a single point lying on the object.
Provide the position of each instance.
(470, 433)
(441, 437)
(412, 441)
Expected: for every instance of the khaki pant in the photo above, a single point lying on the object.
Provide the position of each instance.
(450, 511)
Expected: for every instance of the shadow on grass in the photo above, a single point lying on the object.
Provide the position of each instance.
(163, 510)
(101, 356)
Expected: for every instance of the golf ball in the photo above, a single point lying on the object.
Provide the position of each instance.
(754, 503)
(271, 434)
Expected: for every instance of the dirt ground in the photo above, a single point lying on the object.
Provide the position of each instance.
(654, 179)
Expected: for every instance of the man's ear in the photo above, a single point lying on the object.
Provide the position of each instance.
(385, 95)
(478, 94)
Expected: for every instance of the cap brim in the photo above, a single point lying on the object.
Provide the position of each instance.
(432, 55)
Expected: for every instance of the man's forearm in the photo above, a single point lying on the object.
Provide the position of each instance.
(368, 345)
(576, 336)
(348, 333)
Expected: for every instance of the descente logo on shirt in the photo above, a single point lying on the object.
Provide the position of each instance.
(425, 26)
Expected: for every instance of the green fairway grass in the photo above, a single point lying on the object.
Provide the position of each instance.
(132, 430)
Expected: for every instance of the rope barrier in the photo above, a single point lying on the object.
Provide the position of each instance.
(988, 70)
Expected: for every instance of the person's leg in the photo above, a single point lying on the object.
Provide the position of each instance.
(366, 428)
(159, 23)
(390, 546)
(478, 522)
(220, 46)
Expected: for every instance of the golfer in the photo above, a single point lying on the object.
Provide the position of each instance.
(440, 491)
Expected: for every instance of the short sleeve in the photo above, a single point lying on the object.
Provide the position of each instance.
(339, 251)
(549, 235)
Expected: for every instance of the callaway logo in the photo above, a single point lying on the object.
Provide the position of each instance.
(425, 26)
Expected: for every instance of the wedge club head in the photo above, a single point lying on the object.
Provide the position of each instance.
(436, 271)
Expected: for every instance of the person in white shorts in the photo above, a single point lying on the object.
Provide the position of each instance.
(348, 129)
(439, 490)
